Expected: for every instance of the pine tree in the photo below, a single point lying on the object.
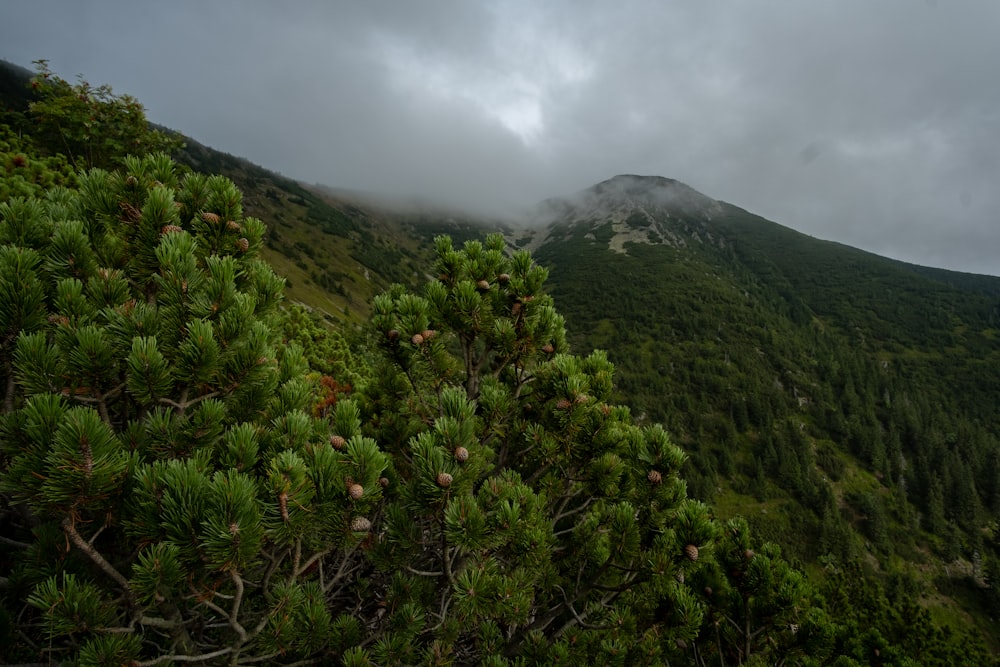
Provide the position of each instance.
(90, 126)
(526, 516)
(759, 609)
(168, 497)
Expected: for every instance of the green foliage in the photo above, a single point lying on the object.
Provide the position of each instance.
(24, 172)
(91, 125)
(520, 498)
(151, 419)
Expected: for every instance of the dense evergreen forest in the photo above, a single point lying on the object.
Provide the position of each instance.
(786, 455)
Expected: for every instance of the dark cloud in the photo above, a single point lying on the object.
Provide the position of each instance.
(873, 124)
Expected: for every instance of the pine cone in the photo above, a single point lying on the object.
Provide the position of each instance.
(392, 334)
(242, 245)
(483, 284)
(461, 454)
(679, 577)
(444, 480)
(563, 404)
(233, 226)
(210, 217)
(548, 348)
(749, 554)
(167, 229)
(360, 524)
(338, 442)
(504, 278)
(383, 482)
(654, 476)
(356, 491)
(417, 339)
(691, 551)
(428, 334)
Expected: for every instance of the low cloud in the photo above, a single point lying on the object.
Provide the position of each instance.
(872, 124)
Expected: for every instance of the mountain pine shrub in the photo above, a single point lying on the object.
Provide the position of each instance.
(168, 497)
(525, 516)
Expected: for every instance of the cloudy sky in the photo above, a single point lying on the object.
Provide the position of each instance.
(872, 123)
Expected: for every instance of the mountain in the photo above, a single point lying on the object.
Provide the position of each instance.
(845, 403)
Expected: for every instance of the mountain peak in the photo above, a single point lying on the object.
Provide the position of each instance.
(631, 191)
(636, 209)
(651, 190)
(636, 181)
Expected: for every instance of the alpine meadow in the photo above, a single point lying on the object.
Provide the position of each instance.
(251, 421)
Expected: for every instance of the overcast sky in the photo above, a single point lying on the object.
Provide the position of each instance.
(875, 123)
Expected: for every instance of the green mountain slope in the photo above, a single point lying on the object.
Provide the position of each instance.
(334, 255)
(845, 403)
(336, 249)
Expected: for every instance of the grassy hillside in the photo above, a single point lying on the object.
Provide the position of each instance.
(335, 255)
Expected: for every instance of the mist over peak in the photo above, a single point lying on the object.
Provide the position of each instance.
(656, 190)
(652, 194)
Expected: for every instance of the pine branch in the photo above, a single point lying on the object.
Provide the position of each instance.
(97, 558)
(443, 613)
(312, 559)
(150, 621)
(237, 601)
(445, 559)
(186, 658)
(583, 624)
(718, 643)
(273, 563)
(184, 404)
(13, 543)
(562, 513)
(211, 605)
(578, 593)
(577, 619)
(272, 656)
(327, 587)
(231, 616)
